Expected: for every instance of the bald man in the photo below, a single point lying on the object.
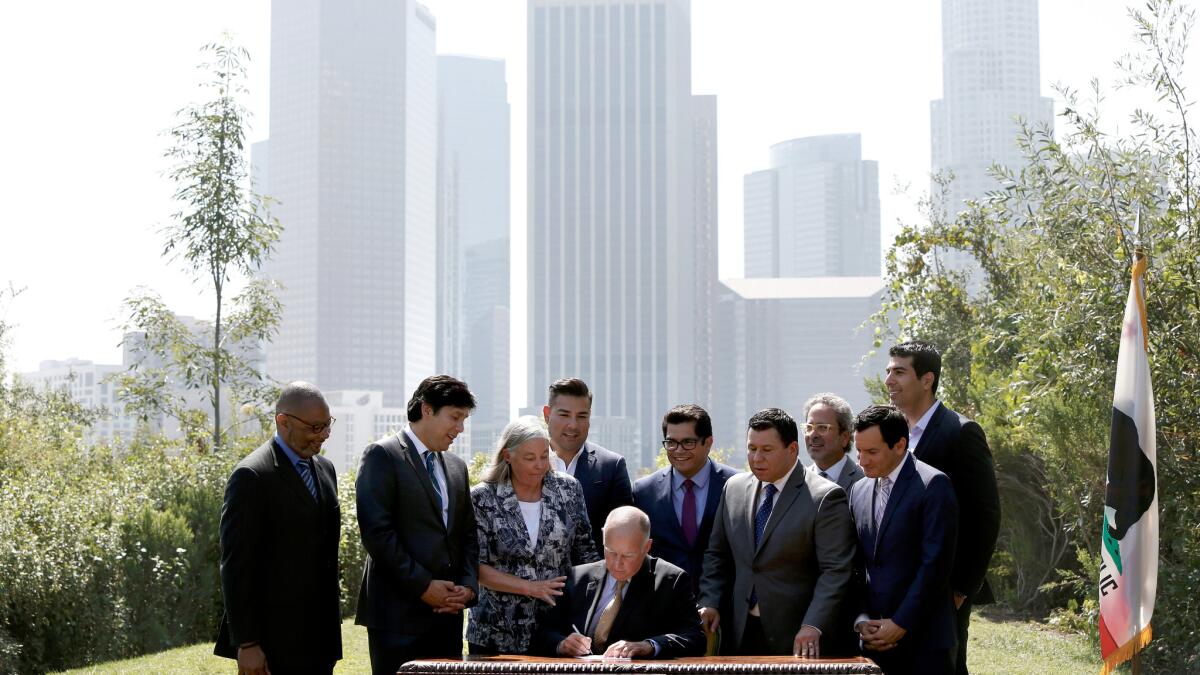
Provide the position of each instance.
(629, 605)
(280, 527)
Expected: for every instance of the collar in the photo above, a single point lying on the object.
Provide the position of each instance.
(835, 471)
(698, 481)
(291, 454)
(896, 471)
(924, 421)
(421, 449)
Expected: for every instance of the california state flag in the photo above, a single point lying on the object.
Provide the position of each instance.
(1129, 555)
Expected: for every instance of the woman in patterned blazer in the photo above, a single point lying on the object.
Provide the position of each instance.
(533, 527)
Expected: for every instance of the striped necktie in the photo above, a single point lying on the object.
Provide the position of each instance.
(881, 500)
(304, 466)
(430, 463)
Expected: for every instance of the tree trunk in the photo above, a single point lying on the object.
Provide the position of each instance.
(217, 376)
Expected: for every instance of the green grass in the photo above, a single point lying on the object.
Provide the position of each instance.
(999, 646)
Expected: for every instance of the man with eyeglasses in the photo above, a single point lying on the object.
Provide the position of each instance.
(681, 500)
(827, 431)
(629, 605)
(280, 530)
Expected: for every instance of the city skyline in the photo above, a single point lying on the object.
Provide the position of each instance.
(39, 337)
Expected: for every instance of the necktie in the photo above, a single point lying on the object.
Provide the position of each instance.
(885, 491)
(305, 469)
(430, 462)
(689, 512)
(604, 624)
(760, 524)
(825, 476)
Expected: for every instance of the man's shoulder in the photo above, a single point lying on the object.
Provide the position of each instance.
(739, 480)
(260, 460)
(664, 569)
(646, 484)
(603, 454)
(583, 572)
(724, 470)
(927, 473)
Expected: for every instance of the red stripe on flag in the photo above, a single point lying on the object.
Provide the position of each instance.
(1107, 644)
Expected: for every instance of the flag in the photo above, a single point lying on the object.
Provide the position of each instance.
(1129, 554)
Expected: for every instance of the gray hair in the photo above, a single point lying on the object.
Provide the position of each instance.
(627, 516)
(845, 416)
(517, 433)
(295, 394)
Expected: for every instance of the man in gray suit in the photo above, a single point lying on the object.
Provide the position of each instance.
(784, 541)
(827, 437)
(418, 526)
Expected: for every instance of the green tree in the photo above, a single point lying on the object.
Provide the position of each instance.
(1030, 341)
(223, 228)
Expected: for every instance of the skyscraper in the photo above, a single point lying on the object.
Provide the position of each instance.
(612, 244)
(352, 161)
(990, 77)
(815, 212)
(473, 221)
(704, 215)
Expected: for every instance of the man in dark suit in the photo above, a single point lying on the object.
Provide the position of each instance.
(906, 517)
(682, 499)
(956, 446)
(600, 472)
(827, 438)
(418, 526)
(782, 545)
(628, 605)
(280, 528)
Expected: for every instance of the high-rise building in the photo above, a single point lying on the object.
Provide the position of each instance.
(704, 215)
(473, 224)
(612, 244)
(814, 212)
(990, 77)
(352, 163)
(783, 340)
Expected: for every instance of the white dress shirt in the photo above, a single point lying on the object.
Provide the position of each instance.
(918, 429)
(559, 465)
(439, 473)
(834, 472)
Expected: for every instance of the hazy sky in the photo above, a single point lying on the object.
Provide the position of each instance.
(88, 88)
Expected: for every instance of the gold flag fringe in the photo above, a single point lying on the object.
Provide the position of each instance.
(1126, 651)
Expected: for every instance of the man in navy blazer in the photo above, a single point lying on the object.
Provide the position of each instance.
(906, 518)
(681, 500)
(601, 473)
(955, 445)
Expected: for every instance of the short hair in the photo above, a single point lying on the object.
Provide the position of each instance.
(295, 394)
(440, 391)
(841, 410)
(925, 358)
(623, 516)
(568, 386)
(515, 434)
(889, 419)
(689, 412)
(777, 419)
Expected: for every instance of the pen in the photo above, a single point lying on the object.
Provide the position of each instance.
(576, 628)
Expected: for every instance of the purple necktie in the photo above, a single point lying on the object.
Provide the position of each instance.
(689, 512)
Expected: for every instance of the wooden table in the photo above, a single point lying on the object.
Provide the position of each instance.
(718, 665)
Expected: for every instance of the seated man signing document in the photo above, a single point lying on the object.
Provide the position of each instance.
(629, 605)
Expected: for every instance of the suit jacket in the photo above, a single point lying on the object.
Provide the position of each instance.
(851, 473)
(279, 561)
(658, 605)
(605, 481)
(956, 446)
(507, 621)
(904, 567)
(408, 545)
(801, 569)
(653, 495)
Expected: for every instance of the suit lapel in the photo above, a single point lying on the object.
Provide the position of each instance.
(454, 486)
(716, 484)
(750, 495)
(409, 450)
(929, 437)
(592, 590)
(787, 497)
(640, 587)
(666, 502)
(583, 468)
(902, 482)
(292, 477)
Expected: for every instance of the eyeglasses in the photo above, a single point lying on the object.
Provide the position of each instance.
(819, 428)
(314, 428)
(671, 445)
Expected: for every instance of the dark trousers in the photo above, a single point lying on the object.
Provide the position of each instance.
(904, 661)
(754, 638)
(307, 670)
(963, 618)
(442, 639)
